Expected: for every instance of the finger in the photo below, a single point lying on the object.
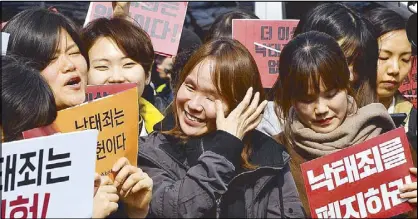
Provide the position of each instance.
(408, 187)
(146, 184)
(123, 161)
(257, 112)
(413, 170)
(244, 103)
(108, 189)
(254, 124)
(220, 114)
(408, 195)
(113, 206)
(132, 180)
(112, 197)
(124, 174)
(105, 180)
(413, 201)
(253, 106)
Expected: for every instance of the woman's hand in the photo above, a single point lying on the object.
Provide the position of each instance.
(409, 191)
(134, 188)
(245, 117)
(105, 200)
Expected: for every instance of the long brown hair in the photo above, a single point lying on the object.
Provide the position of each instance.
(234, 72)
(308, 59)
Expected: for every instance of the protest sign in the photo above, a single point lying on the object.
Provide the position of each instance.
(361, 181)
(264, 39)
(4, 42)
(116, 118)
(163, 21)
(409, 85)
(49, 177)
(94, 92)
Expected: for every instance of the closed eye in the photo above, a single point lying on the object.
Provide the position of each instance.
(129, 65)
(101, 68)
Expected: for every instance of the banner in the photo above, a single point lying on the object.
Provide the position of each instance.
(361, 181)
(4, 42)
(264, 39)
(115, 116)
(163, 21)
(49, 177)
(94, 92)
(409, 85)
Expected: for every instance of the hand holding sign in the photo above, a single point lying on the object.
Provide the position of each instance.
(106, 199)
(134, 188)
(410, 190)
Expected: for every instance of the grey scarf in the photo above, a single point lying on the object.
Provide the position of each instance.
(365, 123)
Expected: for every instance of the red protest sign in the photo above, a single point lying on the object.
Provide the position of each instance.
(98, 91)
(264, 39)
(163, 21)
(361, 181)
(408, 87)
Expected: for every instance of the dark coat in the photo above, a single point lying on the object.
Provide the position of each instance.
(203, 177)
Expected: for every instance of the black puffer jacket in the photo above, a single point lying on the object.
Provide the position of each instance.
(203, 178)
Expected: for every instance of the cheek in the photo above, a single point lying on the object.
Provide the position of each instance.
(182, 97)
(303, 110)
(50, 73)
(97, 77)
(81, 64)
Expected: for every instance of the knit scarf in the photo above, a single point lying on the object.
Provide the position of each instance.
(363, 124)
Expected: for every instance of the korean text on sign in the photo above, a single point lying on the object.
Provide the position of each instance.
(370, 172)
(37, 175)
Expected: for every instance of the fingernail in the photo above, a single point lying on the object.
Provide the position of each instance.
(401, 189)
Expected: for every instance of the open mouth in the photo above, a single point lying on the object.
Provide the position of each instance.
(74, 81)
(192, 118)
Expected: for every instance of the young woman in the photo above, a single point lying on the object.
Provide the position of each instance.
(394, 64)
(322, 116)
(121, 52)
(355, 36)
(53, 42)
(213, 165)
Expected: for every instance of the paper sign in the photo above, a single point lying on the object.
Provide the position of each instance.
(4, 42)
(361, 181)
(409, 85)
(115, 116)
(264, 39)
(94, 92)
(163, 21)
(49, 177)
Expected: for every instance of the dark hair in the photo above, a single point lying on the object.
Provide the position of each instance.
(222, 26)
(358, 43)
(27, 100)
(304, 61)
(35, 34)
(234, 72)
(385, 20)
(129, 37)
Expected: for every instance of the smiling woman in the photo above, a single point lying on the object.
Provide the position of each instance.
(52, 41)
(212, 163)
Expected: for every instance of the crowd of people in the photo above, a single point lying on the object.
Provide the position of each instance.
(212, 141)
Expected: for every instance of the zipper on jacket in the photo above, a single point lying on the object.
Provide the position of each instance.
(218, 207)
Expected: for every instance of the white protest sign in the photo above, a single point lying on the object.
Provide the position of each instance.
(4, 42)
(49, 177)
